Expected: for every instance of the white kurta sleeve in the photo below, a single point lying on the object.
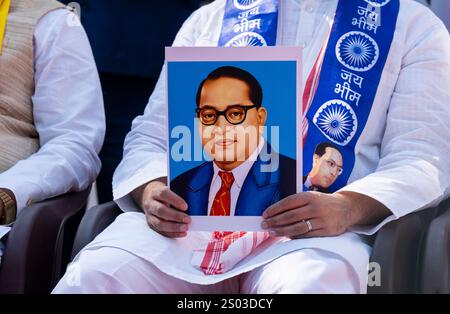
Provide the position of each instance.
(145, 157)
(414, 168)
(68, 114)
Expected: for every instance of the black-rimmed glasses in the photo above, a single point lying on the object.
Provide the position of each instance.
(235, 114)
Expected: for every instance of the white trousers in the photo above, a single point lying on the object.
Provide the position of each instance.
(112, 270)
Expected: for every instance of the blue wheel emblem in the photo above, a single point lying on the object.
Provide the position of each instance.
(357, 51)
(246, 4)
(337, 121)
(378, 3)
(248, 39)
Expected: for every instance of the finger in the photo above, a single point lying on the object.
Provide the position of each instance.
(319, 233)
(297, 229)
(290, 202)
(174, 235)
(289, 217)
(161, 225)
(171, 198)
(160, 210)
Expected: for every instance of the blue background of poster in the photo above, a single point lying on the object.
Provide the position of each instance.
(279, 84)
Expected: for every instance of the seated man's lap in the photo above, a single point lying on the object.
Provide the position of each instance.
(302, 271)
(113, 270)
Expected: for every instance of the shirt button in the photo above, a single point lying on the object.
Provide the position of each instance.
(309, 9)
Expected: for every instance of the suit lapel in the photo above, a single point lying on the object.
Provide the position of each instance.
(249, 202)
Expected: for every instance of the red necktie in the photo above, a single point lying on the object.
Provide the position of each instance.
(222, 202)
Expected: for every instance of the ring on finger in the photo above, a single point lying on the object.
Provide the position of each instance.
(309, 225)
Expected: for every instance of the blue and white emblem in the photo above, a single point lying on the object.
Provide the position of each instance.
(246, 4)
(247, 39)
(378, 3)
(337, 121)
(357, 51)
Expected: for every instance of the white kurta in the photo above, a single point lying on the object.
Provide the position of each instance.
(68, 113)
(401, 157)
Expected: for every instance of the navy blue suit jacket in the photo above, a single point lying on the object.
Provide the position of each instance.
(259, 191)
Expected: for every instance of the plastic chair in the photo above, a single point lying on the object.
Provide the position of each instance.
(436, 256)
(38, 246)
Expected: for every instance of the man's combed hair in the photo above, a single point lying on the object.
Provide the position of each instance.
(256, 93)
(321, 148)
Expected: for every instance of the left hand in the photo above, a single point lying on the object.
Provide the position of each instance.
(328, 214)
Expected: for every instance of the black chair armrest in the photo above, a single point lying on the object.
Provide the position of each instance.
(397, 249)
(436, 257)
(32, 260)
(94, 221)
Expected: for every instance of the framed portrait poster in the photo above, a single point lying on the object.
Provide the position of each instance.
(233, 132)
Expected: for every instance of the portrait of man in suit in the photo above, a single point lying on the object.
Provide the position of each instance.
(245, 175)
(327, 166)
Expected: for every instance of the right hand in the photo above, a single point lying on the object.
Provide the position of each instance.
(165, 211)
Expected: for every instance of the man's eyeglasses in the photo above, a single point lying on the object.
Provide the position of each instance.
(235, 114)
(333, 166)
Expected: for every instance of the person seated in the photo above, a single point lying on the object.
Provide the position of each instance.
(52, 120)
(376, 83)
